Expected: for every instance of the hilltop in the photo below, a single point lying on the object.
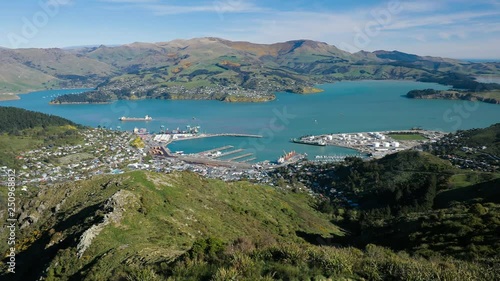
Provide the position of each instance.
(212, 68)
(14, 119)
(22, 130)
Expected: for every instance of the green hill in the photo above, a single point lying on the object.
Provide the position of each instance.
(214, 68)
(477, 149)
(144, 218)
(22, 130)
(413, 201)
(147, 226)
(14, 119)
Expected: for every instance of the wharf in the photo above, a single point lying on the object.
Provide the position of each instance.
(249, 160)
(229, 153)
(240, 157)
(216, 149)
(201, 136)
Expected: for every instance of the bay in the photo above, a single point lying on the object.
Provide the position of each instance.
(349, 106)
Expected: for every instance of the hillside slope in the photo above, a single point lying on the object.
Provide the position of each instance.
(24, 70)
(148, 226)
(212, 68)
(22, 130)
(74, 230)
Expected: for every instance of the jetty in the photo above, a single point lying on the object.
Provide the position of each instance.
(237, 135)
(229, 153)
(201, 136)
(216, 149)
(240, 157)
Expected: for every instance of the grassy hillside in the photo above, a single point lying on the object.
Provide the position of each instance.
(23, 130)
(24, 70)
(477, 149)
(145, 226)
(150, 218)
(16, 119)
(416, 201)
(209, 68)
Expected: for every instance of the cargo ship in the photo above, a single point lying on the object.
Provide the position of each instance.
(145, 118)
(302, 141)
(290, 157)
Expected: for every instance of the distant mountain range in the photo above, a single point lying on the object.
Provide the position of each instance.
(212, 68)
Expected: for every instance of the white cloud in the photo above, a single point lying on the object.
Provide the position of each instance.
(216, 7)
(420, 37)
(61, 2)
(424, 27)
(421, 6)
(439, 19)
(130, 1)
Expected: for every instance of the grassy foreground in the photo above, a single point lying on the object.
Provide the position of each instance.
(152, 218)
(148, 226)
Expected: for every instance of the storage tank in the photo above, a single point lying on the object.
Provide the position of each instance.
(386, 144)
(395, 144)
(376, 144)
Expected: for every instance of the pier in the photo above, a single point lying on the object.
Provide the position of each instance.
(229, 153)
(240, 157)
(216, 149)
(249, 160)
(237, 135)
(212, 162)
(201, 136)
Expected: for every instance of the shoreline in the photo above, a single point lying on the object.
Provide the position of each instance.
(316, 89)
(9, 97)
(16, 96)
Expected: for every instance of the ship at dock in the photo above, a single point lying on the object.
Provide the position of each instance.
(290, 157)
(145, 118)
(304, 140)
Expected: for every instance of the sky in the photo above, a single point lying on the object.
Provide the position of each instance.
(448, 28)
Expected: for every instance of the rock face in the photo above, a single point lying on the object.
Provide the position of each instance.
(114, 208)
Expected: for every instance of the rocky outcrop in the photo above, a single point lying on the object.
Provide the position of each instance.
(114, 208)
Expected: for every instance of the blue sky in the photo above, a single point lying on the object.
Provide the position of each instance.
(448, 28)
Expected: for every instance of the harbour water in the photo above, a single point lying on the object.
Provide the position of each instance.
(357, 106)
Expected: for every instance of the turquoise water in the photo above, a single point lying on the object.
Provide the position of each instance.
(344, 107)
